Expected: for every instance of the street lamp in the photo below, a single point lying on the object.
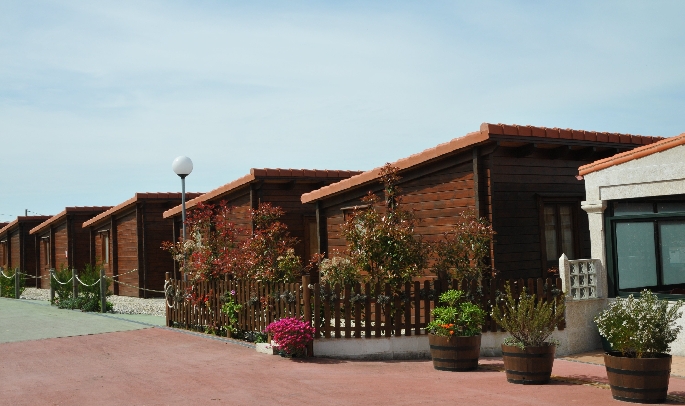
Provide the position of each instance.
(182, 166)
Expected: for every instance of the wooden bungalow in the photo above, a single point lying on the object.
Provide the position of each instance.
(280, 187)
(129, 237)
(522, 178)
(61, 241)
(18, 248)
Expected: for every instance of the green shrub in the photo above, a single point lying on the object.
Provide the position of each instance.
(88, 298)
(62, 292)
(7, 284)
(642, 326)
(459, 318)
(530, 322)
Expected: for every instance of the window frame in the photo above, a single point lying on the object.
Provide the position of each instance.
(610, 221)
(574, 202)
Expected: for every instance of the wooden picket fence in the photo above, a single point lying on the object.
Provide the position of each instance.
(351, 311)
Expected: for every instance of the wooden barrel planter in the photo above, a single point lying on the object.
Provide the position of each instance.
(454, 353)
(528, 366)
(638, 380)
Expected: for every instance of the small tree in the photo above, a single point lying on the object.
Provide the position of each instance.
(208, 253)
(462, 252)
(269, 254)
(381, 239)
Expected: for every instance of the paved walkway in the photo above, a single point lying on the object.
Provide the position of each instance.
(125, 362)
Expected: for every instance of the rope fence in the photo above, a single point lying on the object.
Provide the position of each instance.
(74, 280)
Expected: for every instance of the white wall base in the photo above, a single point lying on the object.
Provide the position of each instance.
(580, 335)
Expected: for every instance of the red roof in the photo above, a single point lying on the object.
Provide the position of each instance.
(63, 214)
(636, 153)
(261, 173)
(21, 219)
(471, 139)
(130, 202)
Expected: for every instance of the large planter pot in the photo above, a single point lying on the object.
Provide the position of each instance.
(530, 365)
(638, 380)
(454, 353)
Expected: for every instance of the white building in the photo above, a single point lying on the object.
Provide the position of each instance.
(636, 207)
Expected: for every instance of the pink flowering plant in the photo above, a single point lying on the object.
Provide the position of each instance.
(291, 334)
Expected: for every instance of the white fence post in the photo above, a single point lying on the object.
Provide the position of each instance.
(565, 275)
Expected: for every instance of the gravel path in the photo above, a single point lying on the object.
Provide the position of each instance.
(122, 304)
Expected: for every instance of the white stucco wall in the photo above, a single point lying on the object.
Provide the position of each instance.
(659, 174)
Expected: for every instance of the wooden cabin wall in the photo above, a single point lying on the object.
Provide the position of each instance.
(515, 184)
(3, 254)
(43, 258)
(127, 253)
(61, 245)
(157, 261)
(15, 249)
(79, 237)
(98, 248)
(298, 216)
(437, 197)
(241, 212)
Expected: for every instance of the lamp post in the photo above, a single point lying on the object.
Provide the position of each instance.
(182, 166)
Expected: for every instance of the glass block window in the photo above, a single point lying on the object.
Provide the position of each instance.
(583, 278)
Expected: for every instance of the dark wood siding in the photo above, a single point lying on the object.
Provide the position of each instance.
(518, 184)
(61, 246)
(15, 249)
(157, 261)
(127, 254)
(437, 198)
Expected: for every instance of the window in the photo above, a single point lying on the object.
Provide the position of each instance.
(559, 234)
(104, 246)
(46, 251)
(646, 246)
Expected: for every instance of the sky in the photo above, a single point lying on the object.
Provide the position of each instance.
(98, 98)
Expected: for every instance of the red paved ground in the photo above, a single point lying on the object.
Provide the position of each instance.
(159, 367)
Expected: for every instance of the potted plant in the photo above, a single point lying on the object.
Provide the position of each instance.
(640, 331)
(454, 334)
(529, 352)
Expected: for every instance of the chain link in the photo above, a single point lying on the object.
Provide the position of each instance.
(57, 280)
(137, 287)
(84, 284)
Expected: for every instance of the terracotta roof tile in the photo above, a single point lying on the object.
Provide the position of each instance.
(19, 219)
(138, 196)
(486, 131)
(261, 173)
(636, 153)
(63, 213)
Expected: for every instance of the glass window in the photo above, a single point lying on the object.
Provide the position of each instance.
(633, 208)
(566, 230)
(551, 233)
(105, 248)
(636, 258)
(672, 236)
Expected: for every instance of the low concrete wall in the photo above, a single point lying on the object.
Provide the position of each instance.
(412, 347)
(580, 335)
